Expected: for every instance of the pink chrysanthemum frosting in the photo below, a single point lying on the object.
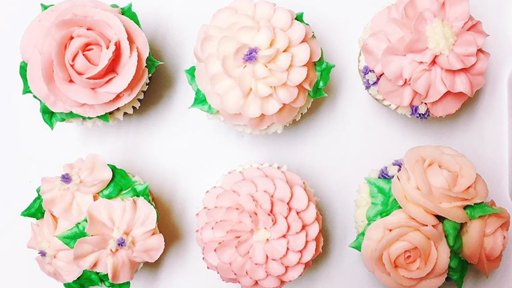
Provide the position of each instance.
(255, 64)
(260, 227)
(426, 55)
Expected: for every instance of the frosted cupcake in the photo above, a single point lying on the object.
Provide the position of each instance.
(424, 220)
(86, 61)
(96, 225)
(259, 67)
(424, 58)
(260, 227)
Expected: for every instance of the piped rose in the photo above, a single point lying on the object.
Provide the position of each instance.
(84, 59)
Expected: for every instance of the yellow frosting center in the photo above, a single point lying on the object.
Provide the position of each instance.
(261, 235)
(440, 37)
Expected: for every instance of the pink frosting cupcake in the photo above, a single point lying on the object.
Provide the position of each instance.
(260, 227)
(424, 58)
(423, 220)
(259, 67)
(96, 225)
(86, 61)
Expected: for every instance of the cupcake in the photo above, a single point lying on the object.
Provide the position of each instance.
(86, 61)
(424, 58)
(95, 225)
(259, 67)
(260, 227)
(424, 220)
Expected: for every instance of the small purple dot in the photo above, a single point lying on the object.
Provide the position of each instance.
(384, 173)
(42, 253)
(415, 112)
(66, 178)
(121, 242)
(366, 70)
(251, 55)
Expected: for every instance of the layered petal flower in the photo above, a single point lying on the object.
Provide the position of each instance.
(123, 234)
(260, 227)
(255, 63)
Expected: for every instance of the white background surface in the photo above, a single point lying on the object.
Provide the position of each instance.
(181, 154)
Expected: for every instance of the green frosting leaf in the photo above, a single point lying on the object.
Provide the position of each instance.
(107, 283)
(152, 63)
(86, 280)
(35, 209)
(458, 266)
(44, 7)
(300, 17)
(200, 101)
(323, 72)
(123, 186)
(383, 203)
(23, 75)
(128, 12)
(70, 237)
(479, 210)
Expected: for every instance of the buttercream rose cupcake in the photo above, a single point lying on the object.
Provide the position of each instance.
(260, 227)
(86, 61)
(96, 225)
(431, 201)
(424, 58)
(259, 67)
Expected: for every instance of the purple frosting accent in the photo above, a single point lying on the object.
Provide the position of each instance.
(415, 112)
(251, 55)
(121, 242)
(384, 172)
(366, 70)
(66, 178)
(42, 253)
(367, 83)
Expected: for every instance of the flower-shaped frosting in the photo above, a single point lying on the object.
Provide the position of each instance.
(437, 180)
(427, 52)
(55, 259)
(69, 196)
(403, 253)
(85, 57)
(260, 227)
(256, 64)
(123, 234)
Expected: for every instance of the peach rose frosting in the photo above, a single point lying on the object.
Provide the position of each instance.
(402, 252)
(427, 52)
(85, 57)
(485, 239)
(256, 63)
(260, 227)
(437, 180)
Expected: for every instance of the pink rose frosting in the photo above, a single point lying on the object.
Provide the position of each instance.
(485, 239)
(123, 234)
(256, 64)
(55, 259)
(260, 227)
(427, 52)
(404, 253)
(69, 196)
(85, 57)
(437, 180)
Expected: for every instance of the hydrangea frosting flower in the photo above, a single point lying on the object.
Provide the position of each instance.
(260, 227)
(69, 196)
(426, 56)
(256, 65)
(123, 234)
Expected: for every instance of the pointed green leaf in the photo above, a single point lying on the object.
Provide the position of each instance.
(138, 190)
(35, 209)
(86, 280)
(358, 243)
(107, 283)
(458, 266)
(128, 12)
(200, 101)
(300, 17)
(52, 118)
(323, 72)
(479, 210)
(120, 182)
(458, 269)
(152, 63)
(44, 7)
(452, 235)
(23, 75)
(383, 201)
(70, 237)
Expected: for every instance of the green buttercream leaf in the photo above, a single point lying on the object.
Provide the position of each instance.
(138, 190)
(458, 266)
(323, 72)
(35, 209)
(200, 101)
(44, 7)
(23, 75)
(86, 280)
(107, 283)
(300, 17)
(128, 13)
(52, 118)
(120, 182)
(70, 237)
(479, 210)
(152, 63)
(458, 269)
(452, 234)
(383, 203)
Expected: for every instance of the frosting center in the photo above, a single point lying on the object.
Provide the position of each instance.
(251, 55)
(440, 37)
(42, 253)
(261, 235)
(66, 178)
(121, 242)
